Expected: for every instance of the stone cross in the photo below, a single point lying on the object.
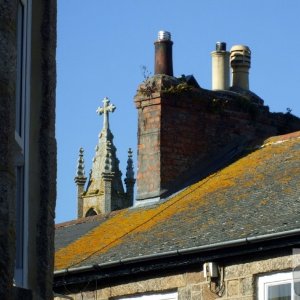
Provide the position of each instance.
(107, 107)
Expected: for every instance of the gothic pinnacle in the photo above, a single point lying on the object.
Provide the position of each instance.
(80, 174)
(130, 180)
(129, 169)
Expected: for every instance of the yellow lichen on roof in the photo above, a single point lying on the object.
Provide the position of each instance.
(113, 231)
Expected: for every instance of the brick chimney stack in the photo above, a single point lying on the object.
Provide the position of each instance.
(185, 132)
(163, 54)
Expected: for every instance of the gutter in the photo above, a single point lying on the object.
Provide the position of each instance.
(215, 246)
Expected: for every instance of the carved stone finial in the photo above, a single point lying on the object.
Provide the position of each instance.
(129, 153)
(107, 107)
(80, 166)
(129, 169)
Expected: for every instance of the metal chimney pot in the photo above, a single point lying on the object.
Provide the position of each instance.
(220, 46)
(164, 36)
(240, 60)
(163, 54)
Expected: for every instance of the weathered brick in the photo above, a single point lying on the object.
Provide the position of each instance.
(193, 129)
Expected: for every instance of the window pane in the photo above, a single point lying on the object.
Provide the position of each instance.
(280, 292)
(296, 278)
(297, 289)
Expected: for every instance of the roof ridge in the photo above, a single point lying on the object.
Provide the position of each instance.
(278, 139)
(85, 220)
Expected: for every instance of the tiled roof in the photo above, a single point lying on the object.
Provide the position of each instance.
(256, 195)
(68, 232)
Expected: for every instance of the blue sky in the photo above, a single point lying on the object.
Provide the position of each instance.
(103, 44)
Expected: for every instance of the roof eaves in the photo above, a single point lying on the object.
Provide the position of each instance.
(193, 250)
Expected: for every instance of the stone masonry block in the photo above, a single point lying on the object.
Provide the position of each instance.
(184, 293)
(196, 296)
(258, 267)
(207, 294)
(194, 277)
(232, 288)
(103, 293)
(246, 286)
(196, 288)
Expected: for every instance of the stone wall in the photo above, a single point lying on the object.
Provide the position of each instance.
(7, 131)
(42, 185)
(239, 283)
(42, 154)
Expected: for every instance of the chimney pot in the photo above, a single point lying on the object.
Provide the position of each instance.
(220, 67)
(163, 54)
(240, 60)
(220, 46)
(164, 36)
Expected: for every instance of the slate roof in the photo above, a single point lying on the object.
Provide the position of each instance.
(256, 195)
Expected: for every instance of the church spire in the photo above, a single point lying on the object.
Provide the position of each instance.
(80, 181)
(105, 191)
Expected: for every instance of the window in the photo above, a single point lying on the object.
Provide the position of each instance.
(164, 296)
(91, 212)
(21, 139)
(280, 286)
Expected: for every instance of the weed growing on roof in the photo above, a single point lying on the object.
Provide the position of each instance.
(149, 86)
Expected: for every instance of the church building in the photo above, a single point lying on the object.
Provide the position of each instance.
(104, 192)
(216, 211)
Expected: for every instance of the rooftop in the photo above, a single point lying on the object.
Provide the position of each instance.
(256, 195)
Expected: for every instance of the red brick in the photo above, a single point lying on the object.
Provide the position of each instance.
(175, 131)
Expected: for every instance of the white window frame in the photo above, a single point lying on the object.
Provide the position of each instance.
(162, 296)
(22, 141)
(275, 279)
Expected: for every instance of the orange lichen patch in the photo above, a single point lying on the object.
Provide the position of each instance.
(263, 202)
(100, 238)
(247, 172)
